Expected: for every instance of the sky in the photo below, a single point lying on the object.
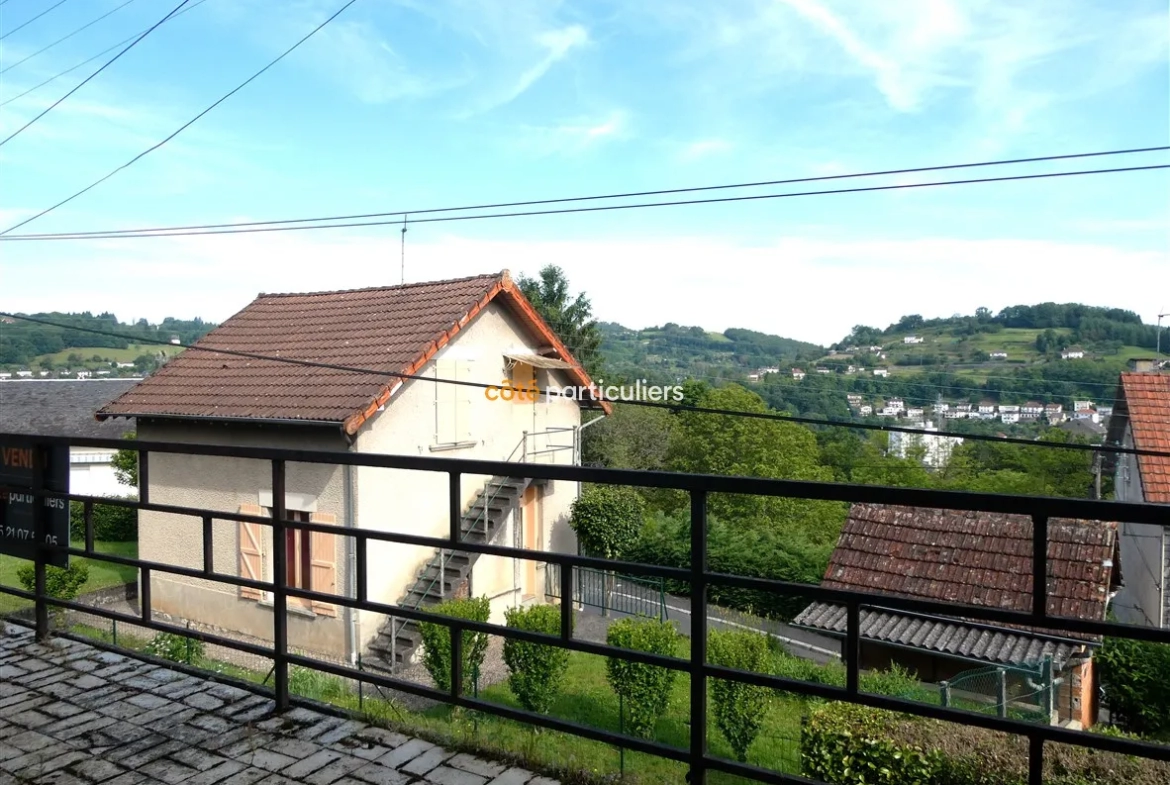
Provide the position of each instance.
(417, 104)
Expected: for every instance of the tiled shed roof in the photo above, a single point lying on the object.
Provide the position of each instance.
(971, 558)
(389, 330)
(1143, 401)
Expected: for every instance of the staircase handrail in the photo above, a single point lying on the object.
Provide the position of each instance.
(441, 558)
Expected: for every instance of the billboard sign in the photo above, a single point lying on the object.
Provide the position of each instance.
(18, 525)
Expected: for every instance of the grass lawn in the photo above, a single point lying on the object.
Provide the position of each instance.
(129, 354)
(586, 699)
(101, 574)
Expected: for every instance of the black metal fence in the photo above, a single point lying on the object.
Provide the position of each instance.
(696, 756)
(611, 592)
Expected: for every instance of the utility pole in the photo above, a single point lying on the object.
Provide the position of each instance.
(1159, 349)
(1097, 475)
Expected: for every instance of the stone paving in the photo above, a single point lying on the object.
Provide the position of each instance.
(72, 714)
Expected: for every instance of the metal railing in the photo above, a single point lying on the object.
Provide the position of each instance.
(609, 591)
(696, 755)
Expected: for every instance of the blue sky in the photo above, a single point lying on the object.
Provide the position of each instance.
(412, 104)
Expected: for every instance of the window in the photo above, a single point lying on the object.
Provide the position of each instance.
(523, 377)
(298, 553)
(453, 402)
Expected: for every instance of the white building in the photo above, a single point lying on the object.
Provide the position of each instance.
(897, 404)
(882, 372)
(997, 355)
(797, 374)
(1079, 406)
(912, 339)
(937, 449)
(1074, 353)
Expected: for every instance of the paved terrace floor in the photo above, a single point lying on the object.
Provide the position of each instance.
(72, 714)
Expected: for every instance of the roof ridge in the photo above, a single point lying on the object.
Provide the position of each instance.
(484, 276)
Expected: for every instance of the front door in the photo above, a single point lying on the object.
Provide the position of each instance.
(530, 524)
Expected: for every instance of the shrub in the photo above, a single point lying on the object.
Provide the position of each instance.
(740, 708)
(111, 523)
(176, 648)
(844, 744)
(644, 689)
(60, 584)
(607, 519)
(1134, 677)
(536, 670)
(437, 641)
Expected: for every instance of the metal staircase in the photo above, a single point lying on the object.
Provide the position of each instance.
(446, 573)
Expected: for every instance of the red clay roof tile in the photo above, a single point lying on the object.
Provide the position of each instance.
(389, 330)
(1146, 399)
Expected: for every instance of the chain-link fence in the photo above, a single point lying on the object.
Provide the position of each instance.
(1021, 692)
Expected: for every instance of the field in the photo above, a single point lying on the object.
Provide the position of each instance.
(129, 354)
(102, 574)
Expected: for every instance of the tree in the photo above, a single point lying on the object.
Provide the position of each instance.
(705, 443)
(1133, 675)
(571, 318)
(633, 437)
(125, 464)
(607, 519)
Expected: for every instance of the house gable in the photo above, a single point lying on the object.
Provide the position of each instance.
(390, 332)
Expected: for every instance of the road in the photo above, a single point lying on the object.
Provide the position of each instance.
(800, 643)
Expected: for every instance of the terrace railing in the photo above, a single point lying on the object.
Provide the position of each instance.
(36, 479)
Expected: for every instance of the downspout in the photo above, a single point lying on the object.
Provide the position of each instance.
(352, 628)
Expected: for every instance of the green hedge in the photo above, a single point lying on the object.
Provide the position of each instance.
(845, 744)
(110, 523)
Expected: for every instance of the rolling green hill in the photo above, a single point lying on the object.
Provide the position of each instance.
(672, 352)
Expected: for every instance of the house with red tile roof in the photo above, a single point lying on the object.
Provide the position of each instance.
(976, 559)
(408, 346)
(1141, 420)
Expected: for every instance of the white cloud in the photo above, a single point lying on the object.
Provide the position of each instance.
(703, 148)
(801, 287)
(571, 137)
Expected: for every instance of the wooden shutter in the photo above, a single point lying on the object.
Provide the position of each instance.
(251, 555)
(446, 402)
(323, 563)
(463, 402)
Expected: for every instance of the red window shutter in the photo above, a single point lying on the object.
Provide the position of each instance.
(251, 559)
(323, 563)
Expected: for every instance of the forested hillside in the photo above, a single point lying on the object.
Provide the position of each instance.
(41, 347)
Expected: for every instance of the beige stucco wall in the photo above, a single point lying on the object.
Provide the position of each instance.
(417, 502)
(224, 484)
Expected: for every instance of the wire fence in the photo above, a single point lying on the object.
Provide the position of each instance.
(611, 592)
(1020, 692)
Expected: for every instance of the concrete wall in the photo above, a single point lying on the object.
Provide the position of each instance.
(1144, 560)
(416, 422)
(225, 484)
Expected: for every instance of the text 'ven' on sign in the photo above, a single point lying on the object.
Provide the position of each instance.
(19, 534)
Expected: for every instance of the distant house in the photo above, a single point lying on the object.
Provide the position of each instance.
(175, 340)
(865, 410)
(1104, 411)
(66, 407)
(1009, 408)
(942, 406)
(1140, 417)
(978, 559)
(912, 339)
(875, 349)
(882, 372)
(5, 375)
(797, 374)
(851, 369)
(1079, 406)
(963, 407)
(1072, 353)
(125, 365)
(897, 404)
(1086, 414)
(24, 374)
(986, 407)
(997, 355)
(956, 414)
(915, 413)
(1054, 413)
(753, 377)
(823, 370)
(1009, 417)
(1032, 410)
(854, 399)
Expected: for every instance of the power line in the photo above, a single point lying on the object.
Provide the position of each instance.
(185, 125)
(64, 38)
(594, 396)
(107, 64)
(35, 18)
(573, 210)
(73, 68)
(198, 228)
